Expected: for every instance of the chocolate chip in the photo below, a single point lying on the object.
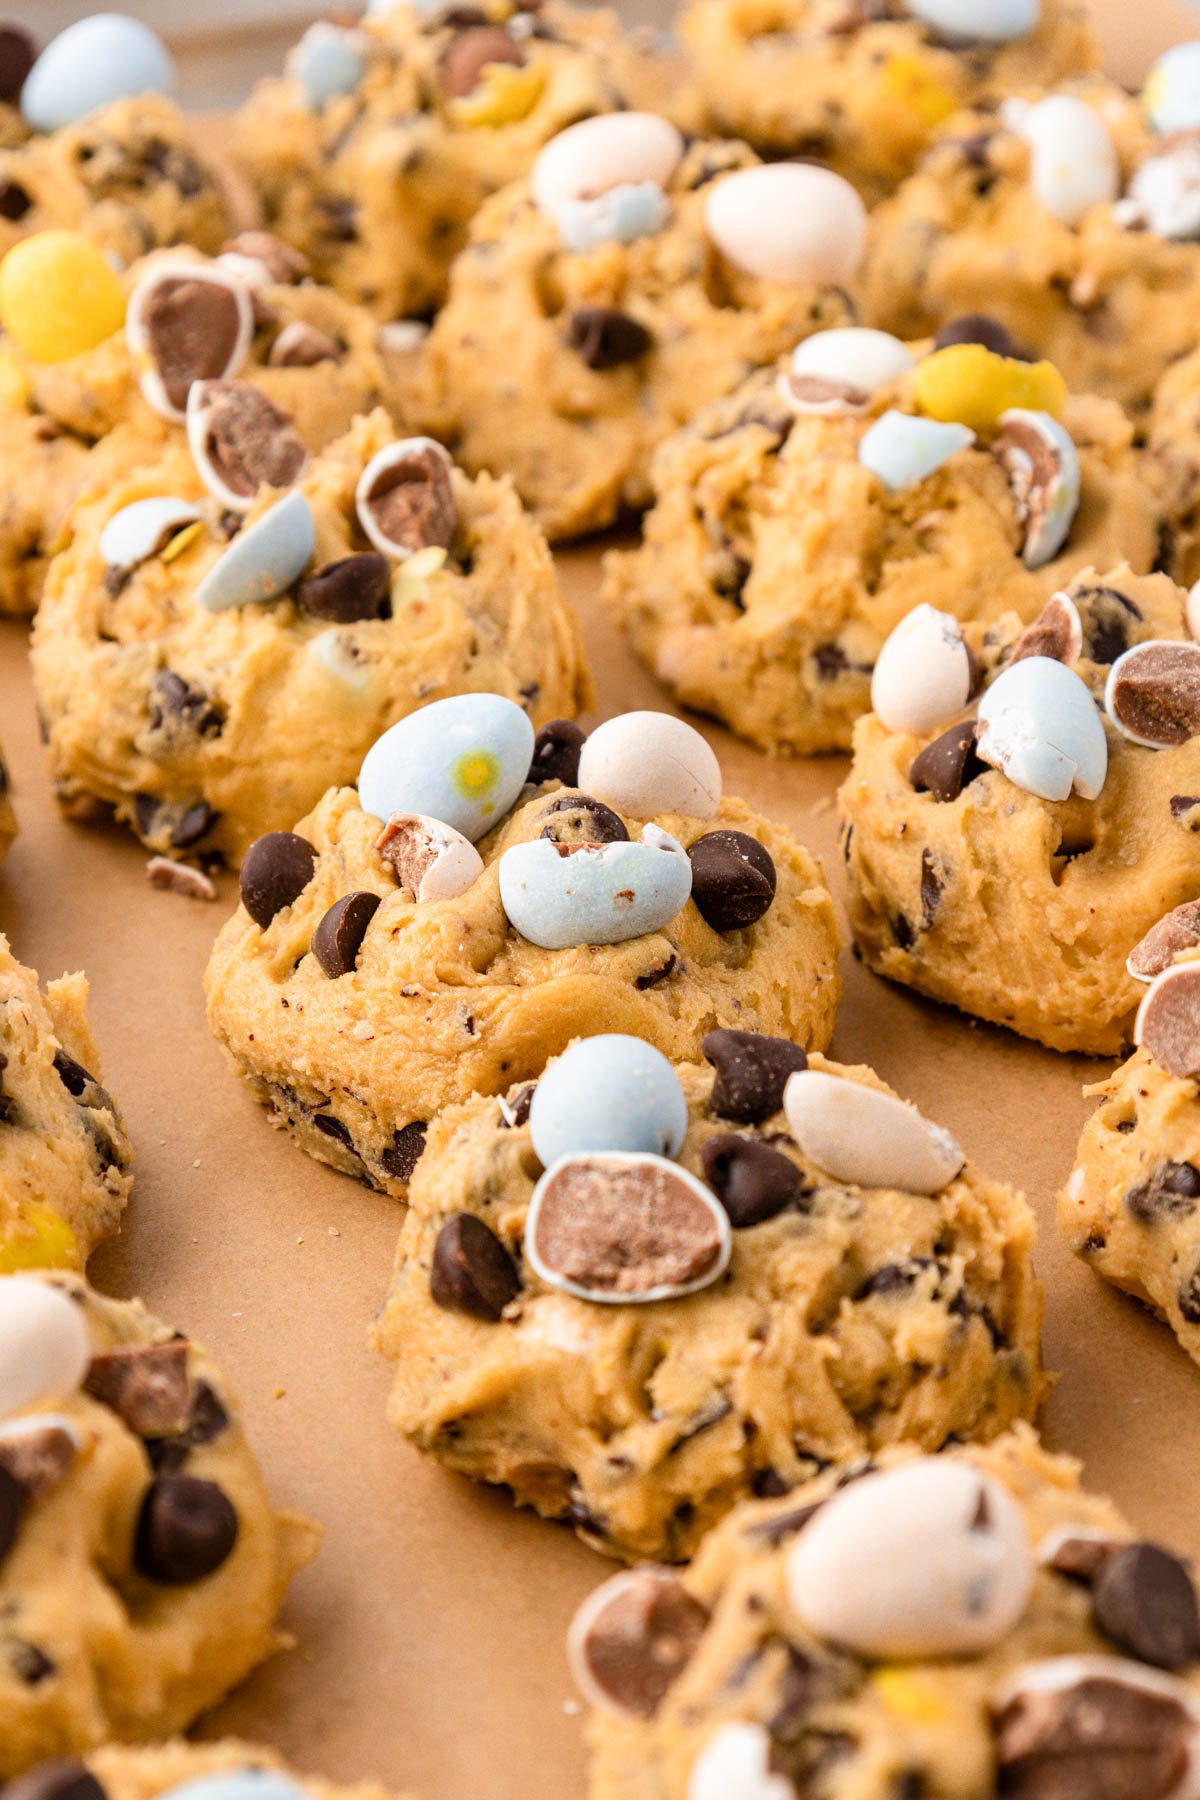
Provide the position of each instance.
(606, 338)
(1081, 1558)
(248, 441)
(277, 869)
(175, 702)
(18, 53)
(733, 879)
(639, 1640)
(73, 1075)
(61, 1780)
(469, 54)
(147, 1385)
(1145, 1601)
(1155, 697)
(472, 1271)
(192, 329)
(948, 765)
(659, 973)
(1171, 1190)
(978, 328)
(411, 499)
(624, 1229)
(933, 886)
(181, 825)
(752, 1181)
(1107, 617)
(1177, 930)
(331, 1127)
(405, 1150)
(338, 938)
(30, 1665)
(1168, 1025)
(1188, 1294)
(12, 1501)
(38, 1457)
(349, 590)
(579, 819)
(1099, 1738)
(15, 201)
(556, 751)
(186, 1530)
(752, 1072)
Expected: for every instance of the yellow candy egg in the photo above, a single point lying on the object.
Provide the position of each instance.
(503, 95)
(39, 1240)
(904, 80)
(966, 384)
(59, 296)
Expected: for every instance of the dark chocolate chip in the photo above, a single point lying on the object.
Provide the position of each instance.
(472, 1271)
(12, 1500)
(556, 753)
(895, 1278)
(404, 1152)
(73, 1075)
(186, 1530)
(1107, 617)
(338, 938)
(606, 338)
(15, 201)
(932, 888)
(30, 1665)
(752, 1072)
(948, 765)
(579, 819)
(1170, 1191)
(277, 869)
(60, 1780)
(659, 973)
(175, 702)
(353, 588)
(978, 328)
(18, 53)
(333, 1128)
(1145, 1600)
(182, 825)
(515, 1106)
(733, 879)
(469, 54)
(752, 1181)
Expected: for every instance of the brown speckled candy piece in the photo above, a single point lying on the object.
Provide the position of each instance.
(624, 1227)
(1168, 1021)
(1179, 930)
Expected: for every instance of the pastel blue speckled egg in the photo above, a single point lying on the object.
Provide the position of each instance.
(599, 894)
(1171, 95)
(611, 1092)
(463, 761)
(92, 63)
(239, 1784)
(327, 62)
(263, 561)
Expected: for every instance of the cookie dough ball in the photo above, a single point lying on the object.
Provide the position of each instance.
(1069, 226)
(374, 151)
(142, 1567)
(580, 331)
(208, 673)
(381, 969)
(227, 1769)
(73, 425)
(1174, 437)
(1014, 887)
(64, 1156)
(862, 86)
(970, 1625)
(796, 523)
(852, 1313)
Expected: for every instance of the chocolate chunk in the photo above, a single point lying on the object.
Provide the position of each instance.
(638, 1638)
(176, 703)
(579, 819)
(1098, 1738)
(147, 1385)
(15, 201)
(349, 590)
(556, 751)
(948, 765)
(933, 886)
(276, 871)
(895, 1277)
(1171, 1190)
(472, 1271)
(61, 1780)
(659, 973)
(624, 1228)
(1081, 1558)
(18, 53)
(405, 1150)
(978, 328)
(186, 1530)
(1184, 809)
(1189, 1297)
(37, 1456)
(248, 441)
(1155, 698)
(1054, 633)
(301, 346)
(73, 1075)
(285, 266)
(331, 1127)
(182, 825)
(752, 1181)
(733, 879)
(411, 499)
(1177, 930)
(752, 1072)
(12, 1500)
(1168, 1022)
(469, 54)
(1108, 618)
(1145, 1601)
(30, 1664)
(338, 938)
(192, 331)
(606, 338)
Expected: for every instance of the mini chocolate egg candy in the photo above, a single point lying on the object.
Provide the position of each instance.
(647, 763)
(986, 21)
(860, 1135)
(462, 760)
(241, 441)
(621, 215)
(1167, 1025)
(1122, 1728)
(903, 451)
(140, 530)
(632, 1639)
(327, 61)
(1152, 694)
(1171, 96)
(596, 893)
(1073, 161)
(38, 1449)
(264, 560)
(1039, 457)
(1175, 932)
(1057, 632)
(623, 1230)
(1039, 726)
(432, 861)
(923, 674)
(838, 371)
(735, 1764)
(610, 1092)
(405, 498)
(59, 296)
(621, 149)
(93, 62)
(186, 322)
(239, 1784)
(790, 222)
(44, 1344)
(929, 1559)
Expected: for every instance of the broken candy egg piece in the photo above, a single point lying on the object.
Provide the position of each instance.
(1164, 194)
(1039, 725)
(735, 1764)
(1171, 96)
(45, 1348)
(648, 763)
(431, 860)
(984, 21)
(38, 1449)
(463, 760)
(141, 529)
(786, 221)
(924, 672)
(926, 1560)
(620, 149)
(1057, 632)
(405, 498)
(902, 450)
(563, 896)
(968, 384)
(241, 441)
(264, 560)
(838, 371)
(1073, 160)
(621, 215)
(1152, 694)
(1167, 1026)
(624, 1230)
(632, 1639)
(860, 1135)
(609, 1092)
(186, 322)
(1042, 465)
(1176, 932)
(336, 654)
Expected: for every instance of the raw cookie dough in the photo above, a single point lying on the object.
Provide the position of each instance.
(852, 1318)
(145, 1566)
(1173, 434)
(76, 427)
(203, 729)
(773, 564)
(446, 999)
(1108, 300)
(156, 1772)
(64, 1156)
(860, 84)
(510, 392)
(839, 1726)
(1014, 908)
(8, 818)
(377, 186)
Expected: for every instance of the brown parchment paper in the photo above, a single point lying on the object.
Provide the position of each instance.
(430, 1629)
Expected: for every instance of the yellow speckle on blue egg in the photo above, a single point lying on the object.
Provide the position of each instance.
(475, 773)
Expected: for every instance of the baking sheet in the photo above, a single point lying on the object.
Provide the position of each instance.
(430, 1629)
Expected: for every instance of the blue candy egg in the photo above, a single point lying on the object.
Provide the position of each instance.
(463, 761)
(633, 210)
(239, 1784)
(263, 561)
(599, 894)
(327, 62)
(1171, 95)
(91, 63)
(608, 1093)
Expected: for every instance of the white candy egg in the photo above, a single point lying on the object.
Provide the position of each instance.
(923, 674)
(327, 61)
(1164, 194)
(929, 1559)
(599, 894)
(463, 761)
(1039, 725)
(989, 21)
(1171, 95)
(91, 63)
(264, 560)
(647, 763)
(902, 450)
(141, 529)
(610, 1092)
(735, 1764)
(860, 1135)
(1074, 164)
(611, 150)
(790, 222)
(44, 1344)
(854, 355)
